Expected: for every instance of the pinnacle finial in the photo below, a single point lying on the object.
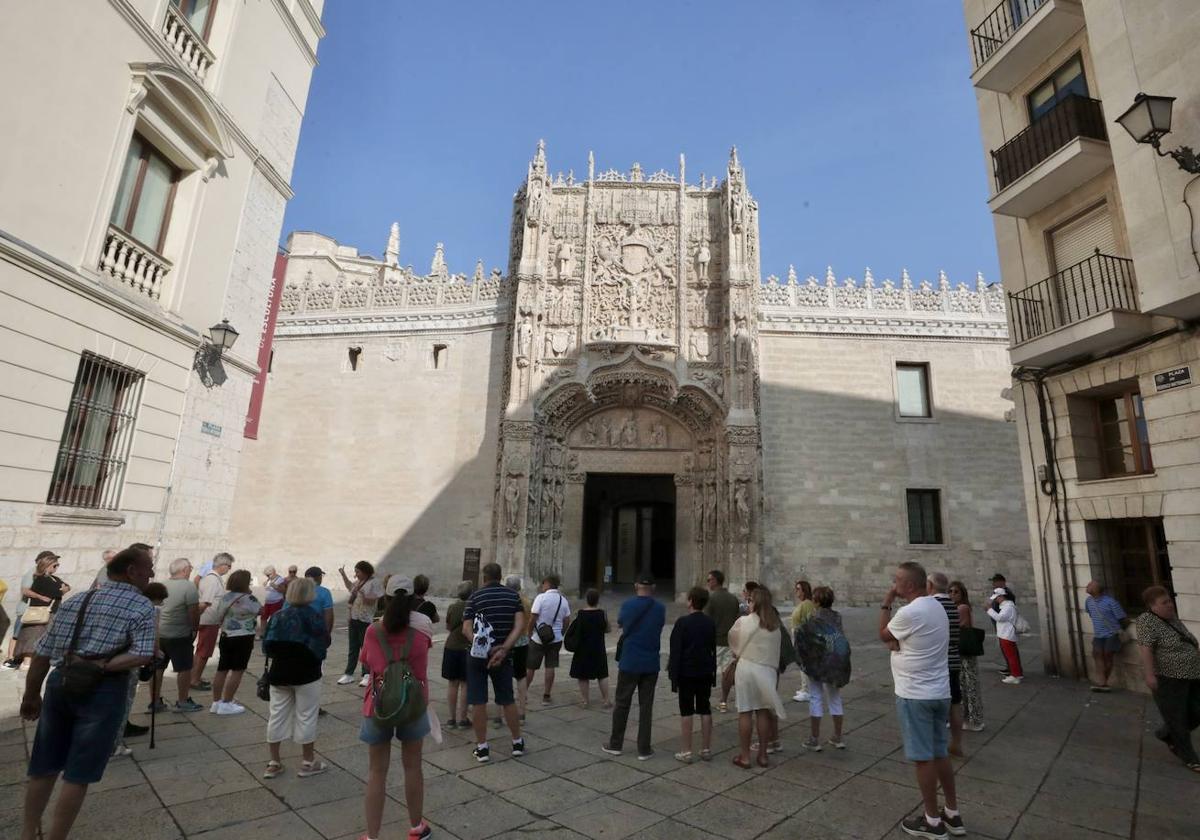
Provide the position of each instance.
(538, 165)
(733, 158)
(830, 277)
(392, 254)
(682, 168)
(478, 271)
(791, 274)
(591, 165)
(438, 265)
(980, 283)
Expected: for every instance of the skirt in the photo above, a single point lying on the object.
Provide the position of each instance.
(28, 638)
(755, 686)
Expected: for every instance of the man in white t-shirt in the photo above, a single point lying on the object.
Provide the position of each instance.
(551, 609)
(919, 637)
(212, 590)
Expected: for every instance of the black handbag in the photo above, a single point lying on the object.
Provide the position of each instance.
(545, 632)
(263, 687)
(80, 676)
(970, 641)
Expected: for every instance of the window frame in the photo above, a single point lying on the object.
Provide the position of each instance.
(1114, 552)
(185, 7)
(1143, 460)
(939, 520)
(927, 385)
(126, 225)
(1050, 79)
(104, 492)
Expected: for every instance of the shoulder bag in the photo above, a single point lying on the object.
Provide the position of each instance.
(730, 672)
(970, 641)
(80, 676)
(35, 615)
(545, 632)
(632, 625)
(574, 634)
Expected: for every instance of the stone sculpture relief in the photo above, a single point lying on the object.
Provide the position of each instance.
(741, 506)
(512, 503)
(628, 429)
(633, 284)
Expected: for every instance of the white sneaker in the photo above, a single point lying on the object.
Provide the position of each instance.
(345, 679)
(231, 709)
(800, 696)
(973, 727)
(216, 707)
(365, 681)
(1011, 680)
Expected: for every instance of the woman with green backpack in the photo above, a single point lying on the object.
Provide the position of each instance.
(395, 653)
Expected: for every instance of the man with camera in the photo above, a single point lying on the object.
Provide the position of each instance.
(96, 640)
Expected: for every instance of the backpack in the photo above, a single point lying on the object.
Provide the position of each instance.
(823, 651)
(399, 699)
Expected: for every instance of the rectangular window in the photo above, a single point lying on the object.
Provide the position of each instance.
(97, 435)
(440, 351)
(1121, 435)
(144, 194)
(924, 517)
(912, 389)
(1134, 557)
(199, 14)
(1063, 82)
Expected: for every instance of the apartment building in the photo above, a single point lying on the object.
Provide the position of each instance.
(1098, 252)
(148, 149)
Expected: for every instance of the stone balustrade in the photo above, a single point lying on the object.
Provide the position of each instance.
(132, 264)
(187, 44)
(392, 288)
(984, 301)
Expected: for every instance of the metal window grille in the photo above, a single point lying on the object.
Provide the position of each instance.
(97, 435)
(924, 517)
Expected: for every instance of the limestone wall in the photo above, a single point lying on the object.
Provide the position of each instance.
(837, 461)
(393, 462)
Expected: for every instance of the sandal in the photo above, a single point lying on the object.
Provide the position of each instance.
(722, 707)
(1194, 767)
(312, 768)
(706, 755)
(274, 768)
(740, 762)
(685, 757)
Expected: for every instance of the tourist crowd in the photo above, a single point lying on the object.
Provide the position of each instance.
(82, 654)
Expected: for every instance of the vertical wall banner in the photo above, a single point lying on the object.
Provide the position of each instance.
(265, 341)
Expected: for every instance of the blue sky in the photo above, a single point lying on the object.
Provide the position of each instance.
(855, 122)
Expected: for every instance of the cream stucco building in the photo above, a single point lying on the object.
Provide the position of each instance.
(629, 395)
(148, 146)
(1098, 255)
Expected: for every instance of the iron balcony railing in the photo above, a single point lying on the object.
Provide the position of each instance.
(1100, 283)
(1075, 116)
(999, 26)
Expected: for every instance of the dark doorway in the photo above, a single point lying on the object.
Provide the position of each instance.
(628, 530)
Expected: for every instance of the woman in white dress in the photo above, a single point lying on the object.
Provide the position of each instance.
(754, 641)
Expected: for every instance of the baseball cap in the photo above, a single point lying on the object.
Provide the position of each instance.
(43, 555)
(314, 571)
(645, 580)
(999, 592)
(997, 576)
(397, 582)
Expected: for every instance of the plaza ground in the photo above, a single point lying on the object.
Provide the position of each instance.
(1055, 761)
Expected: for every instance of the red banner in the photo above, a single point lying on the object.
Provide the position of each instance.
(265, 342)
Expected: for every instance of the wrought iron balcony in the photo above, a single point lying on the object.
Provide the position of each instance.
(132, 264)
(1000, 25)
(1075, 116)
(187, 44)
(1099, 284)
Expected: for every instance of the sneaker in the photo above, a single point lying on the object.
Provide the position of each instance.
(812, 744)
(954, 824)
(482, 754)
(132, 730)
(646, 756)
(231, 708)
(203, 685)
(11, 664)
(722, 707)
(345, 679)
(188, 705)
(919, 827)
(518, 748)
(420, 832)
(706, 755)
(606, 748)
(160, 706)
(546, 701)
(452, 724)
(801, 696)
(774, 747)
(121, 750)
(1011, 680)
(365, 681)
(973, 727)
(311, 768)
(836, 743)
(216, 707)
(685, 757)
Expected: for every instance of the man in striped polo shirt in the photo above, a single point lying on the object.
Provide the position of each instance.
(492, 622)
(938, 585)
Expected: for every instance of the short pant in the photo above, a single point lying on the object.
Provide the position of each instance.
(694, 696)
(76, 738)
(454, 665)
(955, 688)
(539, 653)
(374, 733)
(1106, 644)
(235, 652)
(923, 726)
(206, 640)
(178, 652)
(477, 680)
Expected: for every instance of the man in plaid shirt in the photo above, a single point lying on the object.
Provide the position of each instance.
(75, 736)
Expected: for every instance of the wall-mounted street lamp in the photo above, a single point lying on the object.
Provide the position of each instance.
(1148, 120)
(221, 337)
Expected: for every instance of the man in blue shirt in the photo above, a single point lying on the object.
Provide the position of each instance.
(641, 619)
(1107, 621)
(323, 603)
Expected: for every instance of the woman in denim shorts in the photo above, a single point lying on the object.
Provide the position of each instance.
(398, 623)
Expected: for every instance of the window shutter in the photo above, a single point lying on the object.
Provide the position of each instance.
(1077, 240)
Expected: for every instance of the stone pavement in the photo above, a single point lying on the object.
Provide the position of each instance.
(1055, 761)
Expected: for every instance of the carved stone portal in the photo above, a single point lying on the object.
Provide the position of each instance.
(625, 334)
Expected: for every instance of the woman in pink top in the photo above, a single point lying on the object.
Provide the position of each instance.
(399, 620)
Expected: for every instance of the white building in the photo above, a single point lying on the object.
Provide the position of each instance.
(1098, 252)
(148, 146)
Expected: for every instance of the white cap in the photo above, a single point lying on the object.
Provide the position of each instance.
(397, 582)
(1000, 592)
